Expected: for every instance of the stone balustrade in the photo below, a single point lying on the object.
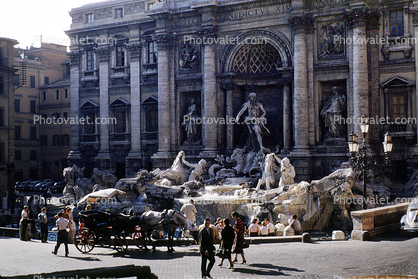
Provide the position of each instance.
(371, 222)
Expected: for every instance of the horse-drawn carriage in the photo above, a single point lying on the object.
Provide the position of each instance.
(107, 229)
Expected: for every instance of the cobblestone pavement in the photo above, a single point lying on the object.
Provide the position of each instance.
(325, 259)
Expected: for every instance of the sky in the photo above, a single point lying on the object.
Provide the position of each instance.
(27, 20)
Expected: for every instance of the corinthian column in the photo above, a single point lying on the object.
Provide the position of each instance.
(415, 21)
(210, 93)
(300, 24)
(135, 155)
(357, 21)
(74, 155)
(103, 54)
(164, 41)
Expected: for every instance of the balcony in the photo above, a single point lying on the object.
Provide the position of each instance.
(150, 136)
(120, 139)
(88, 141)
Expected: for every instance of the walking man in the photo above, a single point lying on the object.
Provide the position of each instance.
(62, 225)
(189, 210)
(206, 249)
(42, 218)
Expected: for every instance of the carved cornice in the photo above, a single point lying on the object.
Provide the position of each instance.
(103, 53)
(164, 40)
(134, 50)
(75, 57)
(302, 23)
(361, 17)
(210, 31)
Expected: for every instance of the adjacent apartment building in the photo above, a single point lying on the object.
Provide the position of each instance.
(149, 63)
(44, 65)
(7, 123)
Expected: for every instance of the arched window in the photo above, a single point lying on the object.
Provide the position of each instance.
(257, 59)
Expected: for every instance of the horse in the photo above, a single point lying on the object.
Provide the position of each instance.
(168, 220)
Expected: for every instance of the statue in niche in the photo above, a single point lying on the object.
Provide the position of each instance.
(332, 112)
(190, 123)
(189, 57)
(254, 122)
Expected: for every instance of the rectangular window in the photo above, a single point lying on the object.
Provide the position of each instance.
(152, 53)
(33, 133)
(65, 140)
(65, 114)
(119, 13)
(120, 56)
(398, 106)
(46, 80)
(32, 106)
(44, 140)
(32, 81)
(43, 96)
(1, 116)
(89, 18)
(396, 23)
(18, 133)
(57, 94)
(56, 140)
(65, 93)
(1, 85)
(18, 155)
(33, 155)
(90, 60)
(17, 105)
(152, 120)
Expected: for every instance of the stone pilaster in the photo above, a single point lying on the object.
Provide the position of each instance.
(210, 93)
(301, 25)
(164, 42)
(103, 54)
(356, 19)
(229, 113)
(134, 158)
(74, 155)
(415, 22)
(287, 116)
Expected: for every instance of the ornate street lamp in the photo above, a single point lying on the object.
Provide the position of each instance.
(358, 155)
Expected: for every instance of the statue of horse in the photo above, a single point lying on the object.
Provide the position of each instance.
(270, 172)
(167, 220)
(176, 173)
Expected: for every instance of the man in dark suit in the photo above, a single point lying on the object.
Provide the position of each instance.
(206, 248)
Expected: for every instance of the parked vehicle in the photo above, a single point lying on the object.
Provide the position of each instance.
(409, 222)
(58, 187)
(23, 186)
(32, 184)
(47, 185)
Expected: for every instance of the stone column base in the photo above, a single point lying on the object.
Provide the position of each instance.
(103, 160)
(209, 153)
(163, 159)
(74, 157)
(360, 235)
(134, 161)
(302, 162)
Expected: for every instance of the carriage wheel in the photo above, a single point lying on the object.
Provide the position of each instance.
(84, 240)
(105, 242)
(121, 244)
(138, 239)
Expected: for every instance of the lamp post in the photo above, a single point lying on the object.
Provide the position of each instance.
(358, 154)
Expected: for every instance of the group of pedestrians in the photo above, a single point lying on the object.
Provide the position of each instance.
(266, 228)
(232, 241)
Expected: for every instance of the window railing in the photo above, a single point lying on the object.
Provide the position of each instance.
(150, 135)
(397, 128)
(124, 137)
(89, 138)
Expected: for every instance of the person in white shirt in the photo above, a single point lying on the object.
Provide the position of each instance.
(62, 225)
(189, 210)
(295, 224)
(263, 229)
(220, 225)
(254, 229)
(270, 227)
(24, 216)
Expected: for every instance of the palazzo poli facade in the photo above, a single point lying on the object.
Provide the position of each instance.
(148, 64)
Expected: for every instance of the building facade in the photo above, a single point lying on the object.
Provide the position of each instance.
(7, 122)
(315, 65)
(42, 66)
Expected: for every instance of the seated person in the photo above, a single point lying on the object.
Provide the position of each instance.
(295, 224)
(264, 230)
(254, 229)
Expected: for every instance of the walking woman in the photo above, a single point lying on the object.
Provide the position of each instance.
(240, 230)
(228, 236)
